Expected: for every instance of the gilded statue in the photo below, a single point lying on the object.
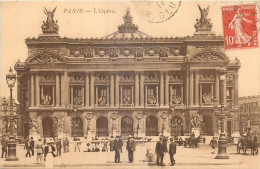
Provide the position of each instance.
(50, 26)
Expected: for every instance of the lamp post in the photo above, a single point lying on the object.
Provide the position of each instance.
(222, 142)
(10, 79)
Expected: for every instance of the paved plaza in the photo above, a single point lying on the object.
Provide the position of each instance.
(185, 158)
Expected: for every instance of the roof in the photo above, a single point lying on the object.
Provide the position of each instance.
(128, 30)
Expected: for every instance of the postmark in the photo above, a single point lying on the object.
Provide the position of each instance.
(240, 26)
(159, 11)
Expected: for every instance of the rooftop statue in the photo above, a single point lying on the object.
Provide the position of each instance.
(203, 24)
(50, 26)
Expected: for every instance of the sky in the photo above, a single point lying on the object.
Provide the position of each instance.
(19, 20)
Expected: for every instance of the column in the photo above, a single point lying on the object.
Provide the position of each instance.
(166, 89)
(92, 90)
(157, 95)
(66, 90)
(83, 96)
(71, 95)
(121, 98)
(181, 94)
(63, 89)
(200, 94)
(57, 84)
(217, 87)
(117, 90)
(112, 89)
(196, 87)
(236, 89)
(171, 95)
(107, 96)
(132, 94)
(161, 90)
(53, 95)
(142, 89)
(96, 95)
(32, 89)
(37, 90)
(232, 94)
(146, 95)
(87, 89)
(225, 90)
(191, 88)
(136, 89)
(187, 89)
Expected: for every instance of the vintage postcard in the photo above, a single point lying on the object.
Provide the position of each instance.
(130, 84)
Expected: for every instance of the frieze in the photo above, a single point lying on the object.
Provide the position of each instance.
(176, 76)
(207, 56)
(47, 78)
(139, 53)
(101, 78)
(46, 58)
(126, 51)
(230, 80)
(113, 52)
(164, 52)
(126, 77)
(76, 78)
(101, 52)
(206, 75)
(152, 76)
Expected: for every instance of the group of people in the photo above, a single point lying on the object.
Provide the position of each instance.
(161, 149)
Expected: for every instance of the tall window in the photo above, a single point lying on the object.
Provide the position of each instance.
(102, 127)
(176, 97)
(77, 127)
(77, 95)
(46, 95)
(102, 95)
(207, 93)
(127, 95)
(151, 126)
(151, 95)
(127, 126)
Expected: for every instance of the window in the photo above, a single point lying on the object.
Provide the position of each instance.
(77, 95)
(151, 95)
(207, 93)
(102, 127)
(127, 95)
(77, 127)
(46, 95)
(176, 94)
(102, 95)
(151, 126)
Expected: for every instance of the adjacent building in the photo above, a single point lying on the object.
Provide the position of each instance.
(126, 83)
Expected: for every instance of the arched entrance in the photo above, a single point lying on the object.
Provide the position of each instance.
(77, 127)
(151, 126)
(102, 127)
(177, 126)
(47, 125)
(208, 126)
(126, 126)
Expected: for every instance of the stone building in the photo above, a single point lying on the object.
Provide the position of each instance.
(126, 83)
(250, 114)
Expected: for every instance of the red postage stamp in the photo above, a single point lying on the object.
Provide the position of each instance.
(240, 26)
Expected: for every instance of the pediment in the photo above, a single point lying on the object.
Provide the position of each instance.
(208, 56)
(46, 57)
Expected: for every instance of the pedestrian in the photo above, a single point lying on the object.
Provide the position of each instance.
(117, 148)
(44, 141)
(161, 148)
(213, 144)
(49, 154)
(121, 144)
(130, 146)
(66, 145)
(58, 147)
(111, 143)
(77, 145)
(39, 150)
(32, 145)
(172, 150)
(27, 146)
(4, 148)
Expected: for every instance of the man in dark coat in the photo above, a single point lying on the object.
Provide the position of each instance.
(58, 147)
(160, 149)
(172, 150)
(131, 148)
(27, 146)
(4, 148)
(214, 144)
(117, 149)
(32, 145)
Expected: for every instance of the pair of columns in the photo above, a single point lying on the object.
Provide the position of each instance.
(57, 91)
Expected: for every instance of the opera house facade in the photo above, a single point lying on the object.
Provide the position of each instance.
(126, 83)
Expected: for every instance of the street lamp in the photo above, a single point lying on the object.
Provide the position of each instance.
(10, 79)
(222, 142)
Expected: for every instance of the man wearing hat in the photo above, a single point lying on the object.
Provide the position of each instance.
(39, 150)
(172, 150)
(159, 151)
(4, 147)
(130, 146)
(58, 147)
(213, 144)
(117, 148)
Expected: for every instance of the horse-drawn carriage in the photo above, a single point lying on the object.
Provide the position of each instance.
(247, 142)
(191, 142)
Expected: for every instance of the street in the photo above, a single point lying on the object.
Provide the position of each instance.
(185, 158)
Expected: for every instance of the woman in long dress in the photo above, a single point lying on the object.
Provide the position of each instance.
(241, 37)
(49, 154)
